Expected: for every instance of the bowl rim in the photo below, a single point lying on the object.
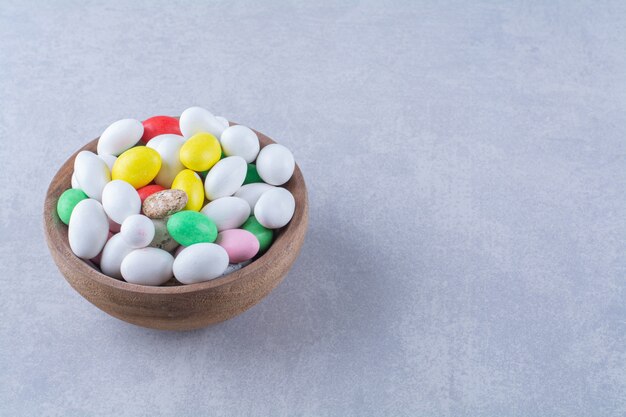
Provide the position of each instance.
(57, 237)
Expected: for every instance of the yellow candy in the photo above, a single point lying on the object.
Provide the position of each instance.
(137, 166)
(200, 152)
(190, 182)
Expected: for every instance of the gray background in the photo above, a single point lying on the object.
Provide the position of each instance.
(466, 171)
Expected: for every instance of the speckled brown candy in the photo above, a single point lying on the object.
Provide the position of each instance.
(162, 238)
(164, 203)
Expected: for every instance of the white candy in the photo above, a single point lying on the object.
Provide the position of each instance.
(252, 192)
(223, 121)
(88, 229)
(225, 177)
(275, 164)
(147, 266)
(113, 254)
(120, 200)
(109, 160)
(169, 149)
(227, 212)
(240, 141)
(200, 262)
(120, 136)
(92, 173)
(197, 119)
(137, 230)
(275, 208)
(158, 140)
(75, 183)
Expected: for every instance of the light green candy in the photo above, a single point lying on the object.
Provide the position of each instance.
(188, 227)
(68, 201)
(263, 234)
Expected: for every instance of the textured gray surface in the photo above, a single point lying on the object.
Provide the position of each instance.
(466, 248)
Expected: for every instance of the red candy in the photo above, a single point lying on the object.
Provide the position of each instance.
(159, 125)
(148, 190)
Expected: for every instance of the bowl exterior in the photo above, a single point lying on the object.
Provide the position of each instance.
(182, 307)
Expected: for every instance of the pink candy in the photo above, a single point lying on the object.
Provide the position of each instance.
(240, 245)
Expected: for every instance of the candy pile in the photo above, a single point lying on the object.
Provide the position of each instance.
(192, 198)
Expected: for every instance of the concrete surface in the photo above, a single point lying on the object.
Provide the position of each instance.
(466, 165)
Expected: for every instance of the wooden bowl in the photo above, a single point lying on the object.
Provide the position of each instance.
(180, 307)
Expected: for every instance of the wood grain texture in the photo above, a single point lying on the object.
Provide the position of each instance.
(181, 307)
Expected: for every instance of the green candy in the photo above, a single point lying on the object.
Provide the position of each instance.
(68, 201)
(252, 175)
(188, 227)
(263, 234)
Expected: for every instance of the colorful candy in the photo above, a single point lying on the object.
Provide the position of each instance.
(240, 245)
(163, 203)
(159, 125)
(200, 152)
(252, 175)
(189, 227)
(262, 233)
(68, 201)
(200, 200)
(148, 190)
(137, 166)
(191, 183)
(162, 239)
